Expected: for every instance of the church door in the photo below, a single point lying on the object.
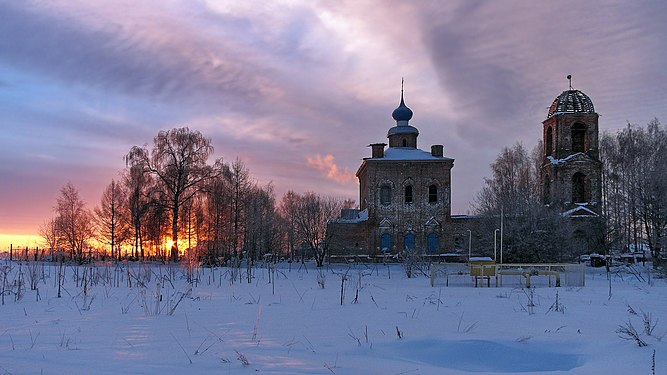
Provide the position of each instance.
(409, 242)
(385, 243)
(432, 242)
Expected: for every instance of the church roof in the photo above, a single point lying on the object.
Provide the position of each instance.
(580, 211)
(571, 101)
(408, 153)
(402, 129)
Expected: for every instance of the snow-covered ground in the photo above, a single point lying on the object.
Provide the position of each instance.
(284, 323)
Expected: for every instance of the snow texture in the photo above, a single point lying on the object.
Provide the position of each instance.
(361, 217)
(555, 161)
(405, 153)
(288, 324)
(580, 211)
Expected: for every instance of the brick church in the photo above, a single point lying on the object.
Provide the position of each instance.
(405, 192)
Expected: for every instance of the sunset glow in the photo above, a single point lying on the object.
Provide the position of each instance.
(19, 241)
(298, 89)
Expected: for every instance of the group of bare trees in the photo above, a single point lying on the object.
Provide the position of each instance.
(171, 194)
(635, 187)
(532, 232)
(73, 227)
(634, 207)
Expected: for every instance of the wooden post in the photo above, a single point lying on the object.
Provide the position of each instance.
(10, 252)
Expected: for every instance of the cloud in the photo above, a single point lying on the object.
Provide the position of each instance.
(164, 57)
(271, 82)
(326, 164)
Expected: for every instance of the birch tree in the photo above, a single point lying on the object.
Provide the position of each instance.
(635, 187)
(532, 232)
(313, 214)
(74, 221)
(111, 217)
(178, 164)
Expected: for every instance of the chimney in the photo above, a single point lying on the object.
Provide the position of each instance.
(377, 150)
(436, 150)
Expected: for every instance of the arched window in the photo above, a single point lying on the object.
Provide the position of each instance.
(409, 240)
(432, 194)
(385, 243)
(578, 137)
(579, 188)
(385, 195)
(549, 141)
(546, 193)
(408, 194)
(432, 242)
(405, 143)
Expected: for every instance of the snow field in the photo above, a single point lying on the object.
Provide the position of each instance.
(284, 323)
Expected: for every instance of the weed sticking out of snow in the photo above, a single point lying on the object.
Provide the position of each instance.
(123, 317)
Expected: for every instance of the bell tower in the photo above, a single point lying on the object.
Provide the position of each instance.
(571, 169)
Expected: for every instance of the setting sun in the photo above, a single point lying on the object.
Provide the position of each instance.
(19, 241)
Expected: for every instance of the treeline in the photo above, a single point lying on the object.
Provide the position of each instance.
(532, 232)
(634, 200)
(169, 198)
(635, 187)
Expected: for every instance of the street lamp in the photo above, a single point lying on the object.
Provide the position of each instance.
(469, 244)
(495, 244)
(501, 233)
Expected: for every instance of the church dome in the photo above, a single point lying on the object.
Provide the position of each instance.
(571, 101)
(402, 113)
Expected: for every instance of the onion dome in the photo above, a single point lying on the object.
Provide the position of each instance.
(402, 113)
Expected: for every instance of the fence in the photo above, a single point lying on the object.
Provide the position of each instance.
(515, 275)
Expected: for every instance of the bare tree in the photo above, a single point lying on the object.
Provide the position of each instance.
(635, 187)
(532, 232)
(137, 185)
(313, 215)
(154, 225)
(262, 224)
(178, 162)
(513, 185)
(74, 220)
(50, 233)
(193, 220)
(113, 224)
(217, 212)
(288, 211)
(240, 190)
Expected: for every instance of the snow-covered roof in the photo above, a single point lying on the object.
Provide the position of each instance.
(580, 211)
(408, 153)
(362, 216)
(555, 161)
(463, 217)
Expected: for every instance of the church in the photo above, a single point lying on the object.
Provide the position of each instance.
(405, 192)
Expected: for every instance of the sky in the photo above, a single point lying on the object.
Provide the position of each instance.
(297, 89)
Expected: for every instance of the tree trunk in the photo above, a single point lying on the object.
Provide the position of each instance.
(174, 234)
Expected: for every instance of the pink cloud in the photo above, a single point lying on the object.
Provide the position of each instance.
(326, 164)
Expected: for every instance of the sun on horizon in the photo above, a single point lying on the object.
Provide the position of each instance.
(19, 241)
